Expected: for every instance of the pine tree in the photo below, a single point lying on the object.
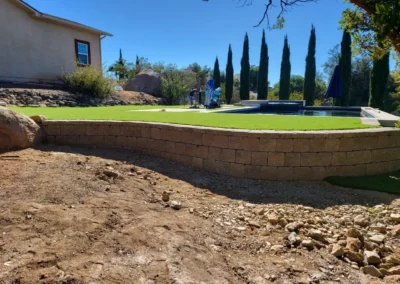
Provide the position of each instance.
(229, 77)
(121, 60)
(284, 83)
(262, 86)
(311, 71)
(245, 71)
(379, 82)
(217, 74)
(345, 67)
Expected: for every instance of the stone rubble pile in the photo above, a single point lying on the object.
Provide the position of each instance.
(367, 239)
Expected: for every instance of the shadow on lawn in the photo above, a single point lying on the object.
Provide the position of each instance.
(315, 194)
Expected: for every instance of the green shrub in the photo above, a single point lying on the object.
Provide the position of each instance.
(398, 124)
(90, 81)
(296, 96)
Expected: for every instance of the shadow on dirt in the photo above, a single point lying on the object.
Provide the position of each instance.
(315, 194)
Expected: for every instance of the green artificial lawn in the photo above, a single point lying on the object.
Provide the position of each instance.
(238, 121)
(384, 182)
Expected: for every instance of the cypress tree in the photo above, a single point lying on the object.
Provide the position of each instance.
(229, 77)
(345, 67)
(121, 59)
(379, 82)
(217, 74)
(262, 86)
(284, 83)
(245, 71)
(311, 71)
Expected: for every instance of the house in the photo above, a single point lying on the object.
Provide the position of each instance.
(35, 46)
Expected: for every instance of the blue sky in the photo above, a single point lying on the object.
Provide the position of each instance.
(187, 31)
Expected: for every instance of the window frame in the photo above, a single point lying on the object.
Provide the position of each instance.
(77, 42)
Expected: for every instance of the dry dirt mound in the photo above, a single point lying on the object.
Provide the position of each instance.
(101, 216)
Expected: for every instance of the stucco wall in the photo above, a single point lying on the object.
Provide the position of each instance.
(266, 155)
(32, 48)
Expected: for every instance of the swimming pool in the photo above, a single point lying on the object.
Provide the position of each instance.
(337, 113)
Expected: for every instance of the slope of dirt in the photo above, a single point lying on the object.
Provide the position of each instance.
(98, 216)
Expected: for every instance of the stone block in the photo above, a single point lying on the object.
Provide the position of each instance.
(259, 158)
(192, 137)
(235, 142)
(103, 129)
(214, 153)
(267, 145)
(243, 157)
(80, 129)
(318, 173)
(285, 173)
(301, 145)
(115, 130)
(209, 165)
(358, 157)
(339, 159)
(222, 168)
(197, 162)
(371, 142)
(252, 172)
(184, 160)
(110, 140)
(379, 168)
(332, 145)
(276, 159)
(68, 130)
(61, 140)
(145, 132)
(180, 148)
(302, 173)
(92, 129)
(122, 141)
(250, 143)
(170, 147)
(190, 150)
(292, 159)
(284, 145)
(155, 133)
(346, 144)
(317, 145)
(381, 155)
(51, 139)
(316, 159)
(228, 155)
(53, 129)
(202, 152)
(356, 170)
(220, 141)
(268, 173)
(236, 170)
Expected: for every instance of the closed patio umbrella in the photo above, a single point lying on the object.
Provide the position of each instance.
(335, 88)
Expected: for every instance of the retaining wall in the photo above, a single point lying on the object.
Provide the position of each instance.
(270, 155)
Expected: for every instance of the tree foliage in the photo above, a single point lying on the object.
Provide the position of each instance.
(332, 61)
(262, 81)
(175, 83)
(345, 67)
(120, 68)
(284, 82)
(253, 77)
(379, 82)
(245, 71)
(229, 77)
(217, 74)
(311, 70)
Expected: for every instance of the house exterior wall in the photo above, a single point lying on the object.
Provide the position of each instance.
(36, 49)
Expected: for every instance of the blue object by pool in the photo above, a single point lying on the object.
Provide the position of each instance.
(335, 89)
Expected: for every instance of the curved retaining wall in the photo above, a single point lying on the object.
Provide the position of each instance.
(270, 155)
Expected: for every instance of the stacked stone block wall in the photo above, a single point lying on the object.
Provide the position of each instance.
(270, 155)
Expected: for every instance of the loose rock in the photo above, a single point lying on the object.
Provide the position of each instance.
(372, 257)
(371, 270)
(353, 233)
(254, 224)
(165, 196)
(378, 239)
(395, 218)
(360, 220)
(308, 244)
(353, 244)
(337, 250)
(354, 256)
(177, 205)
(394, 270)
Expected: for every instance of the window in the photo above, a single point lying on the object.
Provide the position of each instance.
(82, 49)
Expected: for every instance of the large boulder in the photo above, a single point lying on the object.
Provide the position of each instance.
(17, 131)
(148, 82)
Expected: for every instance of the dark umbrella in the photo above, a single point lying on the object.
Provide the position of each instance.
(335, 89)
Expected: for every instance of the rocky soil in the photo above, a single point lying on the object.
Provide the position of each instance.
(55, 98)
(99, 216)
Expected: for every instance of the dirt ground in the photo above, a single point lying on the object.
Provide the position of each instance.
(72, 215)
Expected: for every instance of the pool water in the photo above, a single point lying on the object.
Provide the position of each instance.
(334, 113)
